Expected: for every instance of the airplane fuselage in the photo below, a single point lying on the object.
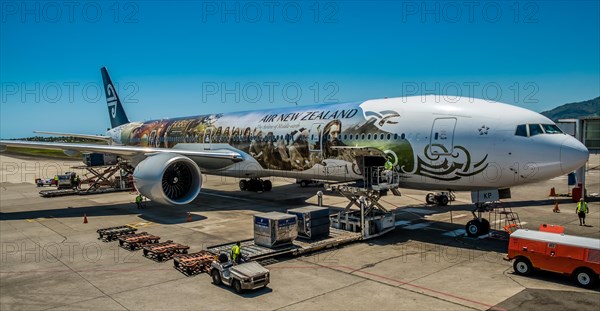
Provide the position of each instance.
(435, 142)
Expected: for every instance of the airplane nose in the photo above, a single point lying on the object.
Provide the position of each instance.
(573, 155)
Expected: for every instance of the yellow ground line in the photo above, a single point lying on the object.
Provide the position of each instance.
(141, 224)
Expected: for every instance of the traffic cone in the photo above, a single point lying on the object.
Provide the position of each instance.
(189, 218)
(556, 209)
(85, 219)
(552, 192)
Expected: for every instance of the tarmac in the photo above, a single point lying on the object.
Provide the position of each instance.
(51, 260)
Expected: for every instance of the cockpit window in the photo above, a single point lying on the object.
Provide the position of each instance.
(521, 130)
(551, 129)
(535, 129)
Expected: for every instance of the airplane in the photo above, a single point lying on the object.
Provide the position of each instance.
(434, 142)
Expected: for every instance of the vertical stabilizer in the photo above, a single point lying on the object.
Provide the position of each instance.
(115, 108)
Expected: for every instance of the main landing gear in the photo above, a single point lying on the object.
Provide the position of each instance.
(255, 184)
(440, 198)
(478, 226)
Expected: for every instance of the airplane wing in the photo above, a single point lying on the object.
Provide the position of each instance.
(86, 136)
(231, 156)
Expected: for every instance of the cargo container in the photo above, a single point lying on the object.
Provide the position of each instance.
(575, 256)
(274, 229)
(313, 222)
(99, 159)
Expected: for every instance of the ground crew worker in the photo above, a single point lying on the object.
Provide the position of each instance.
(236, 253)
(582, 209)
(77, 182)
(138, 201)
(388, 166)
(56, 180)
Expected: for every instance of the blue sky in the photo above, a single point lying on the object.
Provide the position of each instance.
(179, 58)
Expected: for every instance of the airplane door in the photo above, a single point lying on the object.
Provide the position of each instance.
(315, 141)
(442, 136)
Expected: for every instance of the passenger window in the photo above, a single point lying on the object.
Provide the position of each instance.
(362, 136)
(375, 137)
(521, 130)
(381, 136)
(535, 129)
(351, 136)
(369, 137)
(551, 129)
(389, 136)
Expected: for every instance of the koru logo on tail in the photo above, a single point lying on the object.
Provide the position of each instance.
(111, 99)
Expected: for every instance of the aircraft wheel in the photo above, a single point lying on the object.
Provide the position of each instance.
(442, 200)
(267, 185)
(522, 266)
(303, 184)
(485, 226)
(474, 228)
(243, 185)
(430, 198)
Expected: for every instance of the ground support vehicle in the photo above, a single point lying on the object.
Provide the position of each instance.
(245, 276)
(193, 263)
(251, 251)
(578, 257)
(135, 241)
(112, 233)
(164, 251)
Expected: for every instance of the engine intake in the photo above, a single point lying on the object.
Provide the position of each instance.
(168, 178)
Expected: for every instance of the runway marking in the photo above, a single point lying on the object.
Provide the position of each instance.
(415, 210)
(417, 226)
(38, 219)
(456, 233)
(141, 224)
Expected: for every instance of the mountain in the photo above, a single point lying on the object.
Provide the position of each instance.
(588, 108)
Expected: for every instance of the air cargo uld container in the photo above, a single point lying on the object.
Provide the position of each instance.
(313, 222)
(274, 229)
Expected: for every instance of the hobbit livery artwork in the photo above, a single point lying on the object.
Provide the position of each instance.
(434, 142)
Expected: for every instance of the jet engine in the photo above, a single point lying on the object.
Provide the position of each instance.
(168, 178)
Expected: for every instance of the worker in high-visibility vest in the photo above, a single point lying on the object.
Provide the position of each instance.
(388, 167)
(236, 253)
(138, 201)
(581, 210)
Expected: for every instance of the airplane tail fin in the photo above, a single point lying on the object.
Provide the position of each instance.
(115, 108)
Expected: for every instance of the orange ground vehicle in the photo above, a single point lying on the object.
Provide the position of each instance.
(571, 255)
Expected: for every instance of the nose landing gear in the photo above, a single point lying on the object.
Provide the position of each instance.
(478, 226)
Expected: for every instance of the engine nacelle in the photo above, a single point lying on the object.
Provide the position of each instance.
(168, 178)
